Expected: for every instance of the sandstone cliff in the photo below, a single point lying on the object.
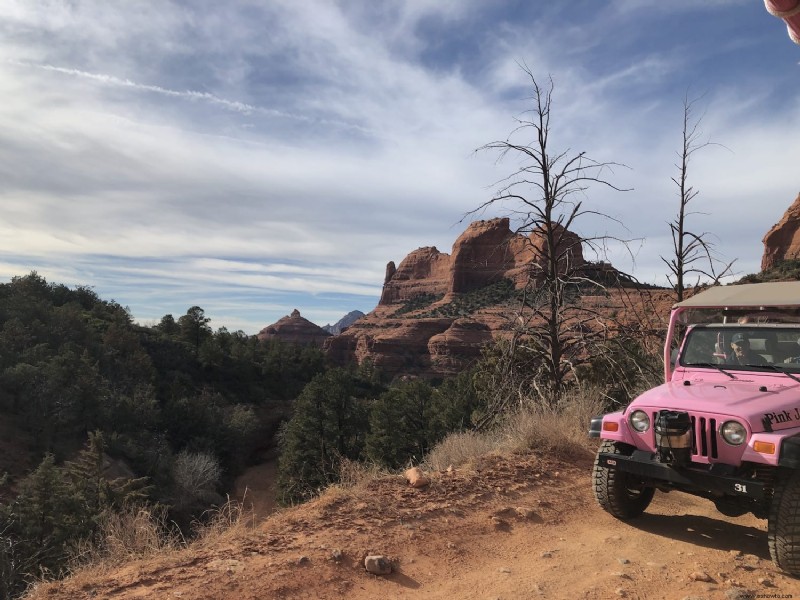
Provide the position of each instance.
(487, 252)
(424, 271)
(438, 311)
(782, 242)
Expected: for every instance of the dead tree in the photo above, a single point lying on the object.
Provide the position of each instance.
(544, 196)
(693, 253)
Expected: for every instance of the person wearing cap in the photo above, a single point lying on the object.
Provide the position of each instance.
(742, 354)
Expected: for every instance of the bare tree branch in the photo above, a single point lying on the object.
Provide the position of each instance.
(552, 334)
(690, 249)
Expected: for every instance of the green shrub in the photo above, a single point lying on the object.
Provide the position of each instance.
(417, 302)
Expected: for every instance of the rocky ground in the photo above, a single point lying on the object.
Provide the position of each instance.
(516, 527)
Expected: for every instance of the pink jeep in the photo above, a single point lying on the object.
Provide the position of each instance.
(726, 424)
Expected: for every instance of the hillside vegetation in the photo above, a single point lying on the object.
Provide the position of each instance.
(90, 402)
(100, 416)
(103, 418)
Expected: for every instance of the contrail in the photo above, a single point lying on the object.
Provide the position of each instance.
(233, 105)
(116, 81)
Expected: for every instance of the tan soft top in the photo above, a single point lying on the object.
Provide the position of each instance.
(750, 295)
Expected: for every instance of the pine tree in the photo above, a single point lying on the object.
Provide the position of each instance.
(43, 514)
(329, 424)
(93, 490)
(402, 424)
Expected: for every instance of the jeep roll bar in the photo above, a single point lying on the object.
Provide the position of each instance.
(749, 296)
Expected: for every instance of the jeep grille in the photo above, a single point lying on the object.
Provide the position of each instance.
(704, 435)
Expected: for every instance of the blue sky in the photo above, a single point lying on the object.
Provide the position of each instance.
(252, 157)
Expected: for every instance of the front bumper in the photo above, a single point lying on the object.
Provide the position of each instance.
(710, 479)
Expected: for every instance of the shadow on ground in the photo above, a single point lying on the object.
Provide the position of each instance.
(705, 531)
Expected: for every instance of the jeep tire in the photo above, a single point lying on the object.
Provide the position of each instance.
(617, 492)
(783, 530)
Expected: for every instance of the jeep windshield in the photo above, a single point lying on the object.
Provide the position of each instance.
(742, 347)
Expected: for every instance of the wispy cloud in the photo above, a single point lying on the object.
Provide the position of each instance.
(127, 83)
(254, 157)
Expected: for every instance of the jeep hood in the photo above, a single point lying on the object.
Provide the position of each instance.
(777, 404)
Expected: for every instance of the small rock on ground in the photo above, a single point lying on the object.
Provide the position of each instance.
(378, 565)
(701, 576)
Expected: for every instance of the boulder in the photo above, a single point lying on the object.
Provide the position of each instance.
(416, 478)
(378, 565)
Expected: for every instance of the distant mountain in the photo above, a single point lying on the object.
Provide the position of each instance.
(295, 329)
(344, 322)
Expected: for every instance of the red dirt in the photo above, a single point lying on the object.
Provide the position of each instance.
(255, 489)
(521, 527)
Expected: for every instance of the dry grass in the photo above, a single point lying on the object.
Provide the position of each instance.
(461, 450)
(134, 532)
(560, 430)
(142, 532)
(228, 521)
(354, 478)
(354, 474)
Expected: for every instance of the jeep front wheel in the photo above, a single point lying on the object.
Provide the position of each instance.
(783, 529)
(617, 492)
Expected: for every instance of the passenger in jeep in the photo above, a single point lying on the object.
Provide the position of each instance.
(742, 354)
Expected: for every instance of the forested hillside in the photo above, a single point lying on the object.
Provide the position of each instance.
(99, 415)
(87, 396)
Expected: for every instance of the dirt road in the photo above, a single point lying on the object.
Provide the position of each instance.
(521, 527)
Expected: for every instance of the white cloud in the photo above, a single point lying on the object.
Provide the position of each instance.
(175, 153)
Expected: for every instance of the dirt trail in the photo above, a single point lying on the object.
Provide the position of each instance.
(255, 488)
(521, 527)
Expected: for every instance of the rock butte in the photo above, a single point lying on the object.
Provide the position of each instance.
(399, 338)
(294, 329)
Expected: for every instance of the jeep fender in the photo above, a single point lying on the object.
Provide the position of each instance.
(789, 453)
(785, 445)
(613, 426)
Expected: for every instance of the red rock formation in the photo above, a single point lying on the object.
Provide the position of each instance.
(402, 347)
(424, 271)
(460, 344)
(485, 253)
(782, 242)
(294, 329)
(411, 342)
(482, 255)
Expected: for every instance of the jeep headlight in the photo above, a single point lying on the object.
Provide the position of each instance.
(733, 432)
(640, 421)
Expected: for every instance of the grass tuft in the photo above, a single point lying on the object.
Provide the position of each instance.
(560, 430)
